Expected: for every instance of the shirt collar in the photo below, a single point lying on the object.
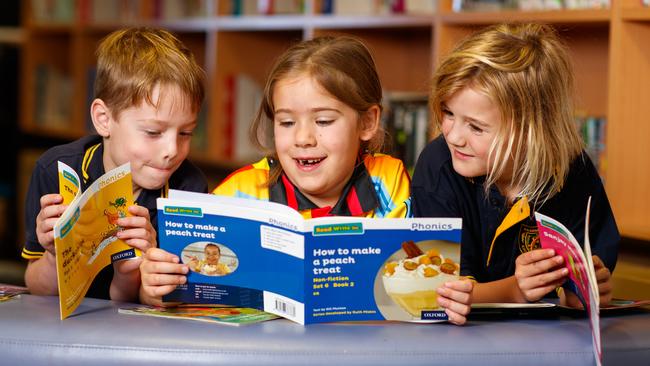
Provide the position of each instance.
(357, 198)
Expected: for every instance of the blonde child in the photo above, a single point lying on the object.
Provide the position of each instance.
(319, 123)
(508, 147)
(148, 93)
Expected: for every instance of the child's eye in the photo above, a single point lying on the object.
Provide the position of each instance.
(447, 113)
(324, 122)
(475, 128)
(187, 133)
(152, 133)
(286, 123)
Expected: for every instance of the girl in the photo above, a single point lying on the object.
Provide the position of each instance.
(319, 123)
(509, 147)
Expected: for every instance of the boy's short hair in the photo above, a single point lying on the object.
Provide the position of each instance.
(212, 246)
(131, 62)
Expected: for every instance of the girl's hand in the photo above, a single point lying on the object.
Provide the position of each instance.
(160, 273)
(538, 272)
(603, 278)
(456, 298)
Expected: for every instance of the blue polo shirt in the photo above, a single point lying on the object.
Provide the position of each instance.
(438, 191)
(85, 157)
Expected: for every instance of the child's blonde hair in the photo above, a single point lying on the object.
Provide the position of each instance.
(343, 66)
(131, 62)
(526, 71)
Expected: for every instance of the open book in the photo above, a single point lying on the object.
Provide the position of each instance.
(210, 314)
(264, 255)
(578, 260)
(84, 235)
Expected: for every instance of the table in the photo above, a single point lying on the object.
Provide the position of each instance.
(32, 334)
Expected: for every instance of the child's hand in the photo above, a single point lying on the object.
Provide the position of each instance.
(456, 298)
(51, 210)
(538, 273)
(161, 272)
(138, 233)
(603, 278)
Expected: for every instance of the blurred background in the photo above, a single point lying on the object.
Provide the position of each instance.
(47, 65)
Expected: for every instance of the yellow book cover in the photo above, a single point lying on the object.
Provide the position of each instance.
(85, 235)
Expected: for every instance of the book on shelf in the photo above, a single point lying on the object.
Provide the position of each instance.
(265, 255)
(210, 314)
(406, 121)
(53, 93)
(85, 235)
(53, 11)
(526, 5)
(243, 97)
(593, 132)
(265, 7)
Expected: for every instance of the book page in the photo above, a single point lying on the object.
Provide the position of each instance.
(85, 235)
(69, 183)
(266, 256)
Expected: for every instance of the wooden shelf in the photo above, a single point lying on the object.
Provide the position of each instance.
(636, 14)
(609, 48)
(583, 16)
(12, 35)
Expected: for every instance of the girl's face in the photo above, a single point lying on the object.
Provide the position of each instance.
(317, 138)
(470, 122)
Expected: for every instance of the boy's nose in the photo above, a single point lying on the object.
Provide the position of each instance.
(171, 148)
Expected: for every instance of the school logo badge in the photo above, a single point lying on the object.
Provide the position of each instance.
(528, 238)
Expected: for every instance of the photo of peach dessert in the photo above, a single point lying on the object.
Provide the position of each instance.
(412, 282)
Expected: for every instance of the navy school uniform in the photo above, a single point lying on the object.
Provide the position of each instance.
(438, 191)
(85, 157)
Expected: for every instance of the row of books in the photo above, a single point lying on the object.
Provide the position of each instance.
(53, 92)
(337, 7)
(378, 7)
(406, 120)
(102, 11)
(496, 5)
(592, 130)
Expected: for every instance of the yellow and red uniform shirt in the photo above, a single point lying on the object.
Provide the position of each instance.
(379, 187)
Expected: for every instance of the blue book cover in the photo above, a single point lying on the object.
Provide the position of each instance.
(264, 255)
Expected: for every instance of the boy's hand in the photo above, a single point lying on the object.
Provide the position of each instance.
(51, 210)
(456, 298)
(160, 272)
(538, 272)
(138, 233)
(603, 278)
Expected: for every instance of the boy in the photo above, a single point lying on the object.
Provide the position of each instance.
(209, 265)
(148, 92)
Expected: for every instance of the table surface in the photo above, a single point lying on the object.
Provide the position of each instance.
(31, 333)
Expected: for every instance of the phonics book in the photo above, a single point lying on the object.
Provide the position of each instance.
(85, 235)
(265, 255)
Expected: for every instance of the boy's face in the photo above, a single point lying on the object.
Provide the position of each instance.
(154, 140)
(212, 255)
(317, 138)
(470, 122)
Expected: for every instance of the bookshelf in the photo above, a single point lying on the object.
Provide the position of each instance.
(609, 48)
